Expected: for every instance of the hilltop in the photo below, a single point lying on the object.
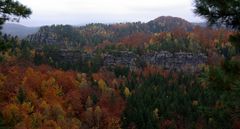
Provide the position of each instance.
(93, 34)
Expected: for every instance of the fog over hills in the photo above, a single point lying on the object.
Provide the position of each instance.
(18, 30)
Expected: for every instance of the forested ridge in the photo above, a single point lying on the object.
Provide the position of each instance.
(89, 95)
(93, 34)
(163, 74)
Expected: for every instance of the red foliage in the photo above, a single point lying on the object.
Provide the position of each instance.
(107, 76)
(207, 36)
(112, 104)
(55, 98)
(65, 79)
(74, 103)
(152, 70)
(135, 40)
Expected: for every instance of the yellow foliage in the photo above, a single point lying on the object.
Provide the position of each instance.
(102, 85)
(33, 52)
(98, 113)
(81, 80)
(51, 82)
(79, 77)
(58, 127)
(152, 41)
(113, 123)
(45, 108)
(127, 92)
(32, 96)
(89, 102)
(27, 107)
(51, 88)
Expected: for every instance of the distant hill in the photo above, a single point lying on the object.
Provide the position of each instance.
(93, 34)
(18, 30)
(168, 23)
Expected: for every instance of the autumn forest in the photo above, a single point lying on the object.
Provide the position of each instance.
(167, 73)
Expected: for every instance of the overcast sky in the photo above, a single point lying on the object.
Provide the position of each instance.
(79, 12)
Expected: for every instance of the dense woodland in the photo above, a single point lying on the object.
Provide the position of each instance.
(37, 93)
(66, 36)
(41, 90)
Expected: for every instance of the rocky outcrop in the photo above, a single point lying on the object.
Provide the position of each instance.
(64, 56)
(123, 58)
(173, 61)
(65, 36)
(164, 59)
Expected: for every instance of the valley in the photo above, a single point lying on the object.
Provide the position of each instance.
(162, 73)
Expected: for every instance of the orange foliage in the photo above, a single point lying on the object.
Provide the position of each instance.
(208, 37)
(135, 40)
(107, 76)
(73, 103)
(112, 104)
(52, 98)
(158, 37)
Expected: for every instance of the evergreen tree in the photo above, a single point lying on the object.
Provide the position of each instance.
(21, 95)
(13, 11)
(221, 12)
(226, 12)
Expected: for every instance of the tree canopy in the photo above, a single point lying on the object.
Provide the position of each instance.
(13, 11)
(224, 12)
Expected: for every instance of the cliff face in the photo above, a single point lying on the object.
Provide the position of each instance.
(175, 60)
(122, 58)
(66, 56)
(172, 61)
